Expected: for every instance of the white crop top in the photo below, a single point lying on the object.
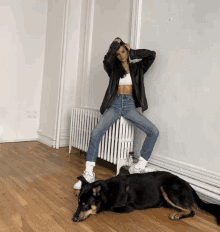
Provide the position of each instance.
(126, 80)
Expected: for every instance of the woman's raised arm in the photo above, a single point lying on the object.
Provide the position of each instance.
(146, 55)
(109, 58)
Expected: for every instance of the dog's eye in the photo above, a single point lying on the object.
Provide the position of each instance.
(83, 203)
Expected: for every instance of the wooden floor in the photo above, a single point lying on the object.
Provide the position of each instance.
(36, 194)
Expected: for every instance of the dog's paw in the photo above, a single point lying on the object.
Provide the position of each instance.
(76, 192)
(175, 216)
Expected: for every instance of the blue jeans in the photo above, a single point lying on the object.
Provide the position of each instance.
(123, 105)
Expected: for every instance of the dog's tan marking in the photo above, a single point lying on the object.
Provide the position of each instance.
(84, 215)
(175, 216)
(94, 209)
(76, 192)
(96, 190)
(127, 188)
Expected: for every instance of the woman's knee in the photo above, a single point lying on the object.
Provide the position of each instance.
(154, 132)
(96, 133)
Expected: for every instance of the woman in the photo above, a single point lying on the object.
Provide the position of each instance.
(124, 94)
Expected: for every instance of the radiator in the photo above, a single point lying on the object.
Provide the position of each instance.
(116, 144)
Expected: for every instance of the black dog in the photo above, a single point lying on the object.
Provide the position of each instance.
(125, 193)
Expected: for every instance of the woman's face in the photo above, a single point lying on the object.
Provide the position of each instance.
(122, 54)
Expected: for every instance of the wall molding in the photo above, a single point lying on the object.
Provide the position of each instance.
(136, 24)
(87, 48)
(205, 182)
(62, 76)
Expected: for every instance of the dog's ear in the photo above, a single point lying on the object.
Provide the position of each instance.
(96, 190)
(84, 181)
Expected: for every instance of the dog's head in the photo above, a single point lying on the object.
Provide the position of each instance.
(89, 199)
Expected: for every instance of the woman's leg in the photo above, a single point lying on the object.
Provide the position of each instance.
(108, 118)
(149, 128)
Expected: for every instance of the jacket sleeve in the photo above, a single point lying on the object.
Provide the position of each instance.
(109, 58)
(147, 57)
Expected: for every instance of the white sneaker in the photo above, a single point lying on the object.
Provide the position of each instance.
(148, 169)
(134, 169)
(89, 176)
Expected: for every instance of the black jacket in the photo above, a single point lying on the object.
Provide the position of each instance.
(137, 71)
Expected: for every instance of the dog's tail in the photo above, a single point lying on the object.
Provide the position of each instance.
(209, 208)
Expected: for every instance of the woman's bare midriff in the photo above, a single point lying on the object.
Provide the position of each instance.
(125, 89)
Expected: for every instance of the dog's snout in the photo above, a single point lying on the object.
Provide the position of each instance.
(75, 219)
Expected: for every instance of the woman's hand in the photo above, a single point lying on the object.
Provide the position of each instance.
(127, 46)
(117, 40)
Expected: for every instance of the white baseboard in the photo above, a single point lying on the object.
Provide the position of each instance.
(46, 140)
(64, 138)
(205, 182)
(18, 140)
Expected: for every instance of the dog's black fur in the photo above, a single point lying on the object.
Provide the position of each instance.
(125, 193)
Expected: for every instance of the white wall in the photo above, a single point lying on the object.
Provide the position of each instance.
(82, 47)
(22, 42)
(183, 85)
(111, 19)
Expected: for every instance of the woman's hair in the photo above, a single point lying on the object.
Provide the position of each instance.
(118, 64)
